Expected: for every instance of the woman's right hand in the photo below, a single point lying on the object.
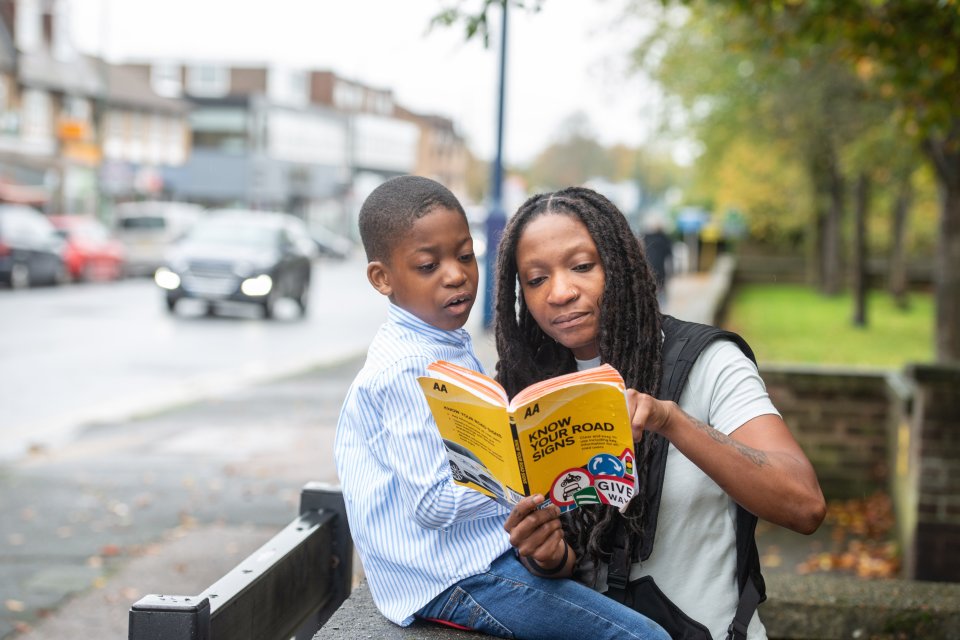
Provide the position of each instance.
(647, 413)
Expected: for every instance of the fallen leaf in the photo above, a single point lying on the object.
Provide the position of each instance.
(15, 605)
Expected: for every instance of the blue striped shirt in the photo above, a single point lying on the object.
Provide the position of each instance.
(416, 532)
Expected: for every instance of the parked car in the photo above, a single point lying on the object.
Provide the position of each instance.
(147, 229)
(90, 252)
(31, 252)
(241, 256)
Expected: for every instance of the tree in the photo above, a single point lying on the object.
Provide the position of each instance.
(907, 50)
(572, 159)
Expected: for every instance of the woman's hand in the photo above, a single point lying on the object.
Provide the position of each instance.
(647, 413)
(537, 534)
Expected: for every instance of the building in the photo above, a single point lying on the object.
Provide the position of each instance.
(54, 103)
(442, 153)
(257, 141)
(380, 143)
(142, 134)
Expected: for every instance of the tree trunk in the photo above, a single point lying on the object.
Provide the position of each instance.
(945, 154)
(832, 269)
(897, 282)
(861, 210)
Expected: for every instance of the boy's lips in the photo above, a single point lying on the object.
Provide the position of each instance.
(460, 298)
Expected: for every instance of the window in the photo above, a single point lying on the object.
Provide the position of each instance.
(347, 96)
(28, 25)
(208, 80)
(37, 117)
(77, 108)
(166, 79)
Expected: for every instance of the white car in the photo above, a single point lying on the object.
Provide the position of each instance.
(466, 467)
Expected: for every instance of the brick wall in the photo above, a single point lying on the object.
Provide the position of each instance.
(935, 444)
(840, 417)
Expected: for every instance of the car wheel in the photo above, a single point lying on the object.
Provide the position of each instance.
(457, 473)
(303, 300)
(60, 275)
(19, 276)
(268, 306)
(171, 304)
(88, 273)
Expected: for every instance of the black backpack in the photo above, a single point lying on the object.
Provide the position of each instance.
(682, 345)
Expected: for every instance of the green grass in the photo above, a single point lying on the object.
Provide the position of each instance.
(795, 324)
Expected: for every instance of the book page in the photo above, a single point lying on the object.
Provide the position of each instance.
(470, 380)
(476, 433)
(603, 373)
(577, 445)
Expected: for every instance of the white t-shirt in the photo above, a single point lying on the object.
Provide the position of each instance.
(694, 554)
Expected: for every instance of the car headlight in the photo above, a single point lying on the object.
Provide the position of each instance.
(166, 279)
(258, 286)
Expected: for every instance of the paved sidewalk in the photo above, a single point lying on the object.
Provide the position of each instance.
(160, 505)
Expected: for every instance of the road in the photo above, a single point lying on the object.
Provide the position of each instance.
(131, 436)
(89, 353)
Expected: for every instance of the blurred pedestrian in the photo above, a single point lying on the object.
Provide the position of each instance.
(658, 248)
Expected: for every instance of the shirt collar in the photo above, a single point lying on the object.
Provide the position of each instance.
(403, 318)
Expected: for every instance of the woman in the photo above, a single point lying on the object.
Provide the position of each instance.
(586, 295)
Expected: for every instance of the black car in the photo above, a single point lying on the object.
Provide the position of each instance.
(31, 250)
(237, 255)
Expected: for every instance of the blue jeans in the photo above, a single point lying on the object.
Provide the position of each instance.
(510, 602)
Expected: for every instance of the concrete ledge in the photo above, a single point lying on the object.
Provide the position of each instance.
(358, 617)
(797, 608)
(825, 607)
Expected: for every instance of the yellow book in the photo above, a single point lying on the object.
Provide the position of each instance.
(567, 438)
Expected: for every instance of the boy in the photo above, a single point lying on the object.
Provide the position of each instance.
(429, 547)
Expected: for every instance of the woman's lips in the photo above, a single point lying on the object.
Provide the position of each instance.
(568, 319)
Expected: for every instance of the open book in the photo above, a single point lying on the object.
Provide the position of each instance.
(567, 438)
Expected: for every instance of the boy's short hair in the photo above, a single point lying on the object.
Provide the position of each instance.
(390, 210)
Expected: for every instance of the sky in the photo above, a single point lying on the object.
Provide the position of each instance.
(569, 57)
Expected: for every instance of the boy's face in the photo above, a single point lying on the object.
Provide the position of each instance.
(432, 271)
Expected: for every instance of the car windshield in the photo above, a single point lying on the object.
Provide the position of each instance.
(234, 233)
(143, 222)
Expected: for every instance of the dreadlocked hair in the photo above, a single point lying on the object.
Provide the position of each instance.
(629, 338)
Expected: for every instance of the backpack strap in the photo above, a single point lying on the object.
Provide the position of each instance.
(683, 342)
(682, 345)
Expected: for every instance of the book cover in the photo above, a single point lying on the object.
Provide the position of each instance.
(567, 438)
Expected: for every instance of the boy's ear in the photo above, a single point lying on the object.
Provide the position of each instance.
(379, 276)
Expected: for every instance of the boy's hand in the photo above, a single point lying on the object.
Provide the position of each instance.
(536, 533)
(647, 413)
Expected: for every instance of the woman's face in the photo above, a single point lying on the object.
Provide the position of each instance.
(562, 280)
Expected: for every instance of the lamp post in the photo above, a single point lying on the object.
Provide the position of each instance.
(496, 218)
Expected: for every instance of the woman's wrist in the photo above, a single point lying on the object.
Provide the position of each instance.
(670, 413)
(550, 571)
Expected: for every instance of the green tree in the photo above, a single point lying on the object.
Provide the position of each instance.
(572, 159)
(907, 51)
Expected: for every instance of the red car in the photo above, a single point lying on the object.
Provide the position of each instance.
(90, 253)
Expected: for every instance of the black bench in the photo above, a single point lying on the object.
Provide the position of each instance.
(287, 588)
(298, 585)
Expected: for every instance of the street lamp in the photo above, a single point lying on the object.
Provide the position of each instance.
(496, 218)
